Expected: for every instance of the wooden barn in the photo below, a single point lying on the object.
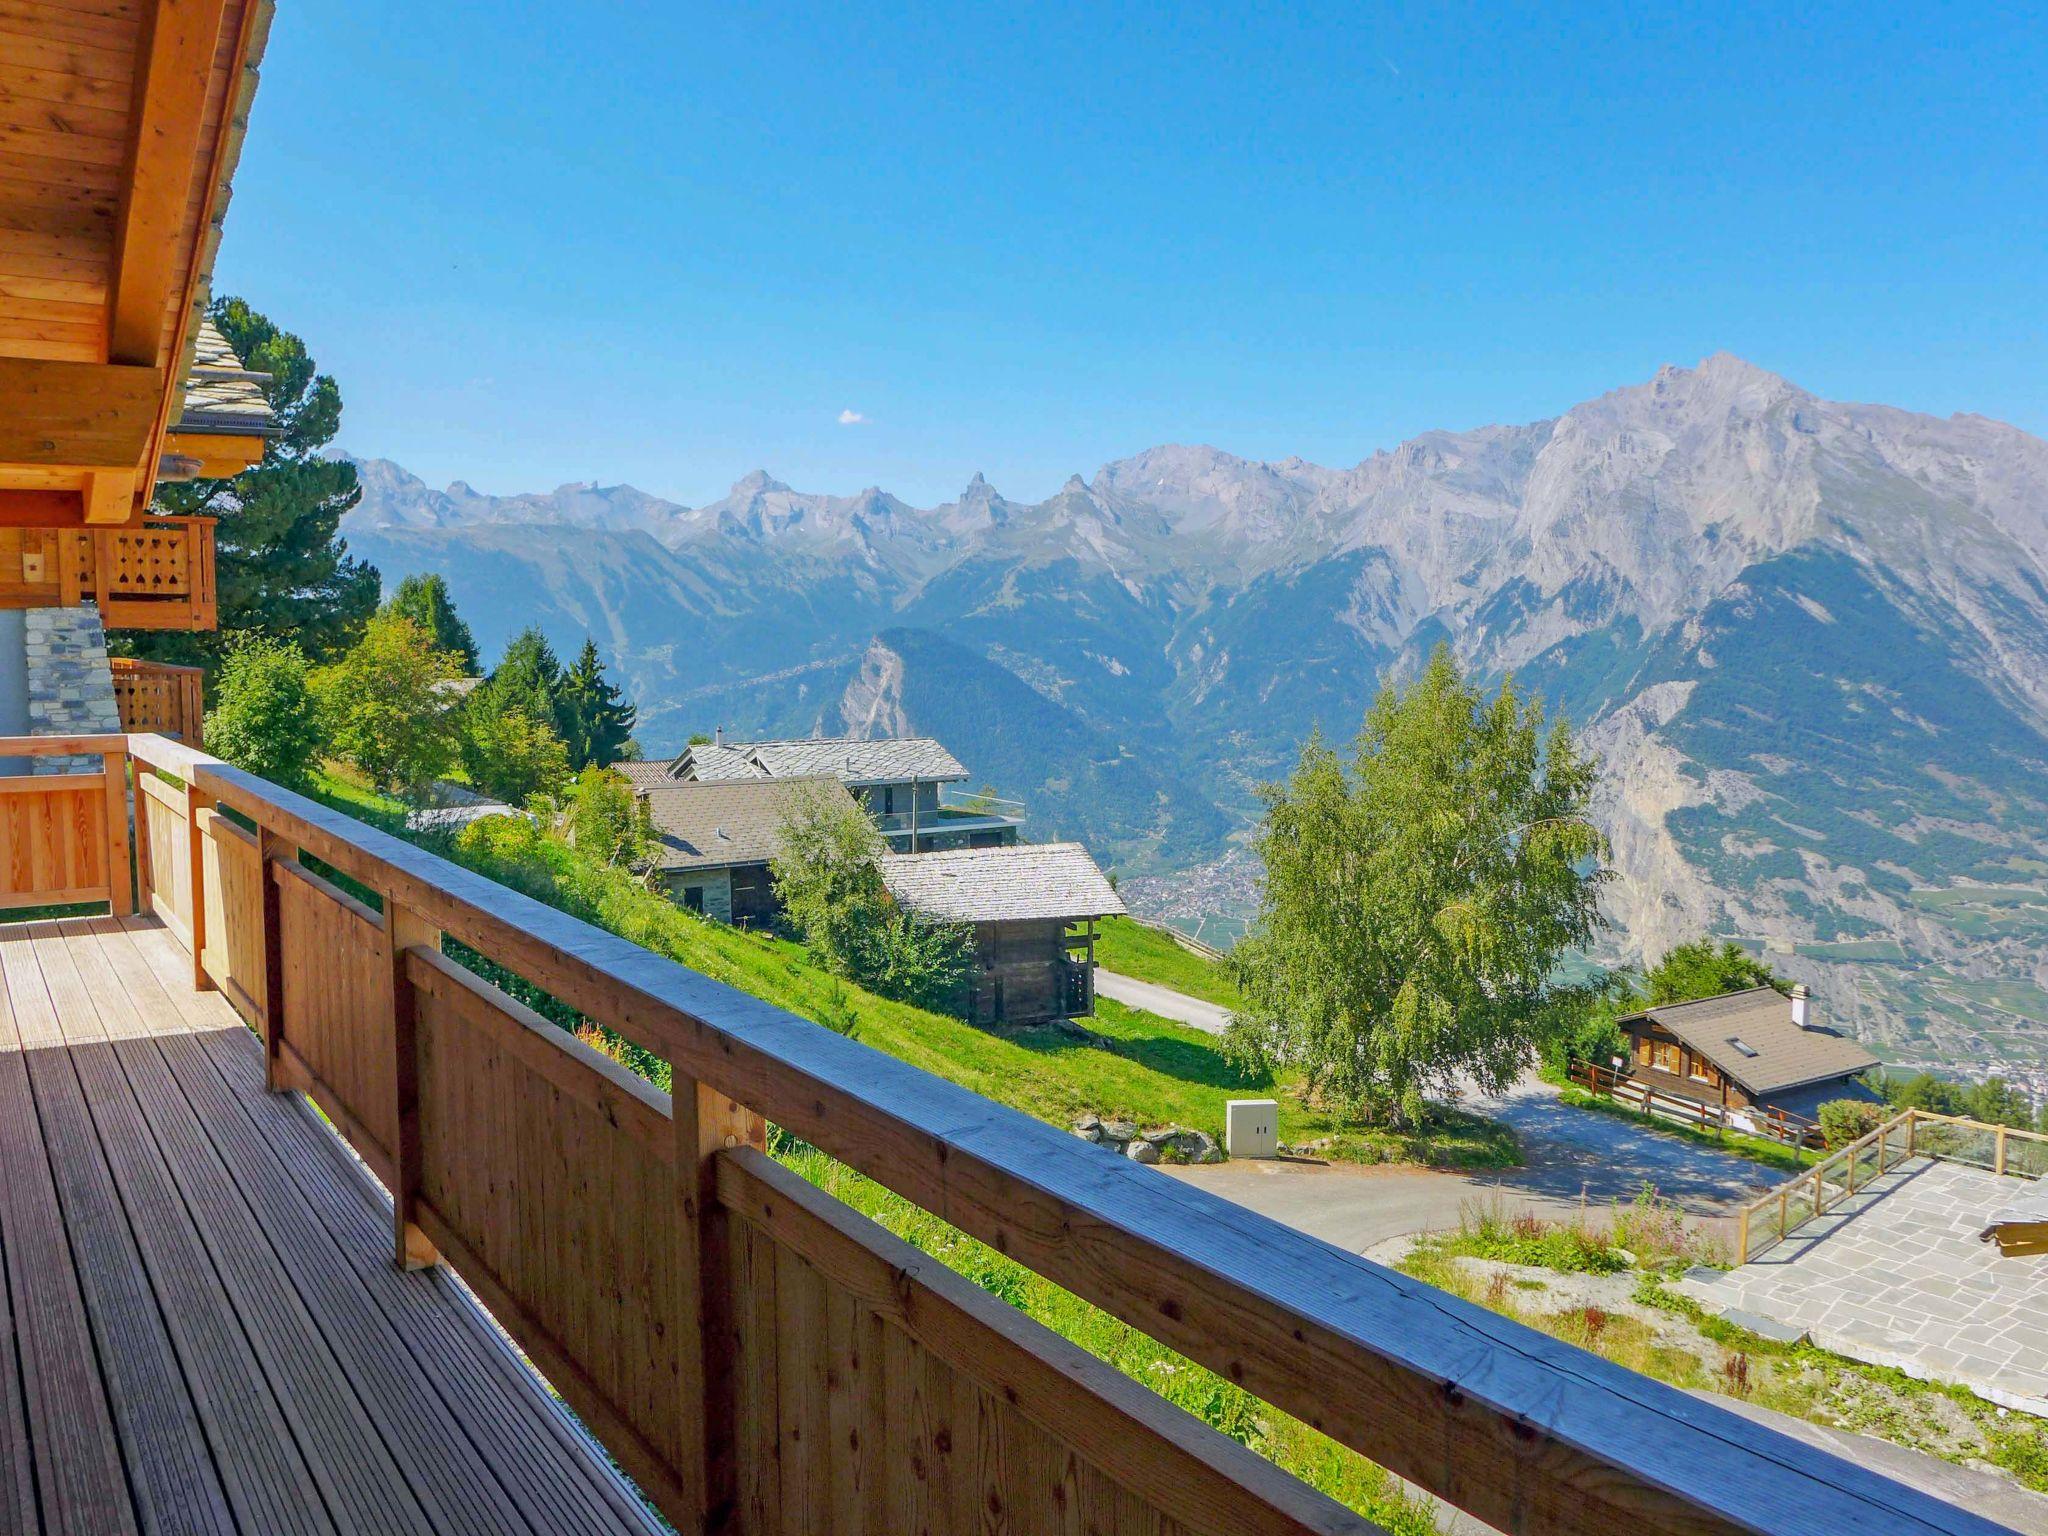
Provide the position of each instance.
(1033, 909)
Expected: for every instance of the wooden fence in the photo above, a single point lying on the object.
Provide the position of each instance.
(1768, 1220)
(764, 1359)
(154, 574)
(160, 699)
(1757, 1120)
(64, 836)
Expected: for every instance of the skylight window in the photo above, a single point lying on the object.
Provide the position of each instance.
(1742, 1045)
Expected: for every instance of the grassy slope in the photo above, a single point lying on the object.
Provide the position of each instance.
(1131, 949)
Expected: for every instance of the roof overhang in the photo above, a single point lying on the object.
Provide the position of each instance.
(110, 206)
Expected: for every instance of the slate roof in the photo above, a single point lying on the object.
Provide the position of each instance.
(997, 885)
(646, 775)
(221, 396)
(889, 761)
(1780, 1054)
(710, 826)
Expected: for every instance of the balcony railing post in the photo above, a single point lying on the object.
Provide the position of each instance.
(120, 889)
(706, 1123)
(1998, 1155)
(272, 849)
(405, 929)
(195, 884)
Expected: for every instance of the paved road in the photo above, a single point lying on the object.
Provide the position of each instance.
(1575, 1157)
(1211, 1018)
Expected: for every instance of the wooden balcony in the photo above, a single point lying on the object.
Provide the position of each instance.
(159, 699)
(759, 1357)
(155, 574)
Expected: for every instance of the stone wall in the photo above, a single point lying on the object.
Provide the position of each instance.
(70, 684)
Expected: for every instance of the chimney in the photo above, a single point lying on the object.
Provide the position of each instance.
(1801, 999)
(718, 735)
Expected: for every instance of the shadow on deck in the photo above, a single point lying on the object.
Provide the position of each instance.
(201, 1328)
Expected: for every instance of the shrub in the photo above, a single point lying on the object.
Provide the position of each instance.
(264, 717)
(507, 752)
(384, 709)
(1845, 1120)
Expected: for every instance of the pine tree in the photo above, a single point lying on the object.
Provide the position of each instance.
(281, 568)
(529, 678)
(423, 598)
(597, 722)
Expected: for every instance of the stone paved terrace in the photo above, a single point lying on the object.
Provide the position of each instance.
(1896, 1276)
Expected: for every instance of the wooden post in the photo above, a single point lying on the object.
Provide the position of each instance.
(120, 878)
(1742, 1238)
(271, 848)
(404, 930)
(707, 1123)
(195, 884)
(1998, 1157)
(1784, 1209)
(1912, 1125)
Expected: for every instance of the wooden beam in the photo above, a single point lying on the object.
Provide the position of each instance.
(174, 66)
(41, 509)
(109, 496)
(76, 415)
(219, 454)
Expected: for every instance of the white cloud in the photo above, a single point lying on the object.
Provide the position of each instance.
(851, 418)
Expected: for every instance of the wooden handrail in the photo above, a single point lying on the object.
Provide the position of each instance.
(1524, 1431)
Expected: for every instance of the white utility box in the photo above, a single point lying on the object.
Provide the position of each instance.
(1251, 1128)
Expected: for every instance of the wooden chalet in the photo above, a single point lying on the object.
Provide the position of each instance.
(120, 123)
(1033, 910)
(908, 784)
(1755, 1050)
(714, 841)
(223, 1313)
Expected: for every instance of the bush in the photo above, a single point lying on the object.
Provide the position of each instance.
(384, 709)
(264, 718)
(506, 752)
(1845, 1120)
(604, 819)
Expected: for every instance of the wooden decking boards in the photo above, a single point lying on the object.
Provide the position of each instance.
(201, 1330)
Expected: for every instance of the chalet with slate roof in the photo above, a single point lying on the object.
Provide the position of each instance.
(716, 840)
(1033, 910)
(1751, 1049)
(909, 784)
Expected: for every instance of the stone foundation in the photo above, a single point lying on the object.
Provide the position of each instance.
(70, 684)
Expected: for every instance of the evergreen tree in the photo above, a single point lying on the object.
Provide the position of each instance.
(597, 722)
(423, 598)
(281, 569)
(529, 678)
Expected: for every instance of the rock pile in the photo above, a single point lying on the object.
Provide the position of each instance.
(1168, 1144)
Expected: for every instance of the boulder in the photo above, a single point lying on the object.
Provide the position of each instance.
(1089, 1128)
(1182, 1145)
(1119, 1130)
(1142, 1151)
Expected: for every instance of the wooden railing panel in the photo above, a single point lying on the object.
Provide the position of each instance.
(233, 894)
(885, 1391)
(1520, 1429)
(334, 999)
(156, 697)
(53, 839)
(546, 1175)
(164, 836)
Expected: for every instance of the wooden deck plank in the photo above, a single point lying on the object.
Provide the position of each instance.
(17, 1475)
(171, 1471)
(357, 1479)
(80, 1486)
(548, 1462)
(266, 1479)
(338, 1245)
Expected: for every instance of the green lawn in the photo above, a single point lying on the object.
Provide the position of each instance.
(1131, 949)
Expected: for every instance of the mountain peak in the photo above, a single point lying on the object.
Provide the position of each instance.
(1074, 483)
(759, 482)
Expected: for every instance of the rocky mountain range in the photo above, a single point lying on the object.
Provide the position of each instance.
(1810, 640)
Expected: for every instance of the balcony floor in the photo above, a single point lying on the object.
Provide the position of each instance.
(201, 1328)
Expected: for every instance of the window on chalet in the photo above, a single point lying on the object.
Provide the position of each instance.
(1667, 1057)
(1703, 1070)
(1644, 1049)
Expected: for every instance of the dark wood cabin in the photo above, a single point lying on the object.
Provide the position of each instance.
(1754, 1049)
(1032, 909)
(716, 841)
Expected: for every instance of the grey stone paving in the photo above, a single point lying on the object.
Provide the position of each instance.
(1896, 1276)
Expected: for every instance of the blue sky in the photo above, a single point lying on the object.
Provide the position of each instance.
(670, 244)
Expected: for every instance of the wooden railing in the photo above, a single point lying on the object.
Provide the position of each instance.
(762, 1358)
(159, 699)
(1768, 1220)
(1756, 1120)
(64, 836)
(155, 574)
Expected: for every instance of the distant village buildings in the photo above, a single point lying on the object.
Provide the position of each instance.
(718, 808)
